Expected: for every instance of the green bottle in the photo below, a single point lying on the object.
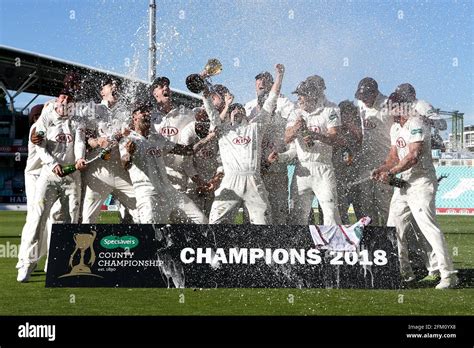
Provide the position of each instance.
(105, 154)
(68, 169)
(397, 182)
(40, 134)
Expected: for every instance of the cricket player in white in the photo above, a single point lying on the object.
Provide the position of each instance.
(416, 240)
(376, 124)
(410, 156)
(169, 121)
(240, 146)
(275, 177)
(63, 144)
(107, 177)
(314, 127)
(202, 167)
(142, 152)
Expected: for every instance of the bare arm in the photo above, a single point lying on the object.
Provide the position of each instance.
(414, 154)
(331, 138)
(391, 161)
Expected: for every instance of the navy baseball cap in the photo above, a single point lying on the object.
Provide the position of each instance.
(366, 86)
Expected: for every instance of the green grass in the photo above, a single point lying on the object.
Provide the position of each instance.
(34, 299)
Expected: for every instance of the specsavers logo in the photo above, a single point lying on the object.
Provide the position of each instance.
(113, 242)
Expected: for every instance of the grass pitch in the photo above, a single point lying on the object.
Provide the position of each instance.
(34, 299)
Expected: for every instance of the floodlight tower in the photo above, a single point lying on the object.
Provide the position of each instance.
(152, 41)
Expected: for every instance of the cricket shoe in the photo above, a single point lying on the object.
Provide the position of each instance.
(448, 283)
(24, 272)
(430, 278)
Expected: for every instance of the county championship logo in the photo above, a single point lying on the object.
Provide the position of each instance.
(84, 242)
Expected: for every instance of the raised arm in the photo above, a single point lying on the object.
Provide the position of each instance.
(270, 104)
(211, 110)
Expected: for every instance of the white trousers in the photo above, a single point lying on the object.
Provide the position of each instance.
(418, 202)
(170, 206)
(237, 189)
(317, 180)
(49, 189)
(102, 180)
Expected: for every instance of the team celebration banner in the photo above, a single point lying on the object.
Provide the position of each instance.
(223, 256)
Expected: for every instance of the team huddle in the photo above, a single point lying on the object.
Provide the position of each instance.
(167, 163)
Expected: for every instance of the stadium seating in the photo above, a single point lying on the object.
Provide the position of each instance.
(455, 191)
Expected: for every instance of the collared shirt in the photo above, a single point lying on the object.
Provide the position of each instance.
(326, 115)
(63, 142)
(171, 126)
(414, 130)
(148, 173)
(274, 132)
(240, 145)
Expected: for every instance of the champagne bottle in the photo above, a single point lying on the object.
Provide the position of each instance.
(397, 182)
(105, 154)
(347, 156)
(307, 132)
(68, 169)
(40, 134)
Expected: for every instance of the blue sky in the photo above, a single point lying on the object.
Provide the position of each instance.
(427, 43)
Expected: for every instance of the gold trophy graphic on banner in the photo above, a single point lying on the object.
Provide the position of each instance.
(83, 242)
(197, 82)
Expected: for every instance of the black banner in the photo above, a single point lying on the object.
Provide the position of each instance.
(216, 256)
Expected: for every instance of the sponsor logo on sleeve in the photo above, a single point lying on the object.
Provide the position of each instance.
(416, 131)
(333, 116)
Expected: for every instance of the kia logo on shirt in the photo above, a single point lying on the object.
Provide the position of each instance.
(153, 151)
(315, 129)
(401, 142)
(204, 153)
(241, 140)
(64, 138)
(369, 125)
(169, 131)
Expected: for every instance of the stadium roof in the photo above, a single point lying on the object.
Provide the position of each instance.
(31, 72)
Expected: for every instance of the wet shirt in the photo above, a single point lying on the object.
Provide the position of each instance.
(376, 124)
(171, 127)
(64, 139)
(326, 116)
(274, 131)
(105, 121)
(240, 145)
(33, 161)
(414, 130)
(204, 162)
(147, 172)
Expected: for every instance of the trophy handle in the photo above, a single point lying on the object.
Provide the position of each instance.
(72, 257)
(92, 259)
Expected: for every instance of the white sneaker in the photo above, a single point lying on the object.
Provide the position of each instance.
(448, 283)
(24, 272)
